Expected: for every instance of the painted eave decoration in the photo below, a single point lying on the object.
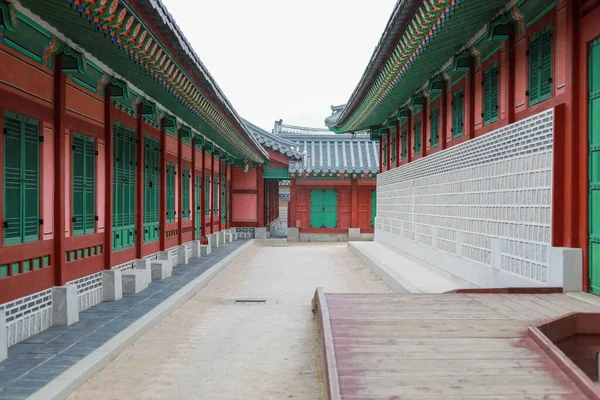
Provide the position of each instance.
(435, 32)
(173, 65)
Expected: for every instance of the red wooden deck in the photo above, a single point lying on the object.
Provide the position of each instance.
(441, 346)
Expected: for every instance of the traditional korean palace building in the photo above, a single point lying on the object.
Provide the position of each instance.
(119, 153)
(488, 116)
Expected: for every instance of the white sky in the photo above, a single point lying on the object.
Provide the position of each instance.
(288, 59)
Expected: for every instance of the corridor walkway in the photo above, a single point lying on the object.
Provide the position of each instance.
(212, 349)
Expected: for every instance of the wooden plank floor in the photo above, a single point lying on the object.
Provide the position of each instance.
(441, 346)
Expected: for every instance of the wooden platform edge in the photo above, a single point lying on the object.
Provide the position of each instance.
(509, 290)
(328, 361)
(564, 363)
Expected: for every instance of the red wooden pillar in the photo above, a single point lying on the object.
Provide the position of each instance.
(60, 87)
(380, 154)
(229, 194)
(398, 143)
(443, 116)
(260, 203)
(163, 184)
(212, 190)
(180, 180)
(425, 126)
(388, 157)
(221, 192)
(354, 202)
(203, 198)
(139, 189)
(409, 135)
(507, 79)
(108, 177)
(470, 100)
(292, 204)
(193, 186)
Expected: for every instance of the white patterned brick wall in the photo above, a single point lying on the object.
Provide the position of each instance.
(89, 290)
(487, 200)
(28, 316)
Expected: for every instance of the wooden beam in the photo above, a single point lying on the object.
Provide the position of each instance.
(139, 187)
(60, 154)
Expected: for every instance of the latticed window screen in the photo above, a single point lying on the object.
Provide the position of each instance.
(123, 186)
(373, 207)
(198, 205)
(185, 194)
(216, 196)
(323, 208)
(540, 66)
(394, 149)
(458, 113)
(151, 189)
(207, 196)
(435, 126)
(404, 144)
(384, 150)
(21, 179)
(223, 197)
(170, 192)
(417, 136)
(490, 95)
(83, 185)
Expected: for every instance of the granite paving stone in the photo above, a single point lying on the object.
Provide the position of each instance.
(34, 362)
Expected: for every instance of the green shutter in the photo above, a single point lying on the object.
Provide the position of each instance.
(404, 144)
(151, 189)
(21, 179)
(373, 207)
(330, 217)
(394, 149)
(490, 95)
(435, 126)
(594, 166)
(540, 66)
(216, 196)
(83, 185)
(185, 194)
(458, 114)
(198, 205)
(317, 208)
(124, 162)
(385, 157)
(223, 198)
(417, 136)
(170, 192)
(207, 195)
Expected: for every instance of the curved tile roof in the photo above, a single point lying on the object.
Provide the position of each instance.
(274, 142)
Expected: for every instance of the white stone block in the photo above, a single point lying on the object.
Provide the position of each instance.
(196, 249)
(134, 281)
(496, 253)
(293, 234)
(354, 233)
(166, 255)
(65, 305)
(144, 265)
(182, 255)
(221, 236)
(260, 233)
(112, 285)
(161, 269)
(565, 268)
(213, 240)
(205, 250)
(3, 337)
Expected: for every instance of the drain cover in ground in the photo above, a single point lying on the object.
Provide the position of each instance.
(250, 301)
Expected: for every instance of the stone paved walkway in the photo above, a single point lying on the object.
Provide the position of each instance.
(212, 349)
(33, 363)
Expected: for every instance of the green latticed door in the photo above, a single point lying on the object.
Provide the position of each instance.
(198, 205)
(323, 209)
(373, 207)
(594, 166)
(124, 163)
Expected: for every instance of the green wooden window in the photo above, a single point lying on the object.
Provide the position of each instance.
(435, 126)
(216, 196)
(417, 128)
(124, 161)
(373, 207)
(198, 205)
(170, 192)
(393, 149)
(84, 185)
(21, 179)
(404, 144)
(185, 195)
(323, 208)
(594, 165)
(223, 198)
(207, 196)
(490, 95)
(385, 150)
(151, 189)
(458, 113)
(540, 66)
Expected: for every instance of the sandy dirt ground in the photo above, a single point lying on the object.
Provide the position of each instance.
(209, 349)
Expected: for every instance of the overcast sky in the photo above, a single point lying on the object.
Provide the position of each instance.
(288, 59)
